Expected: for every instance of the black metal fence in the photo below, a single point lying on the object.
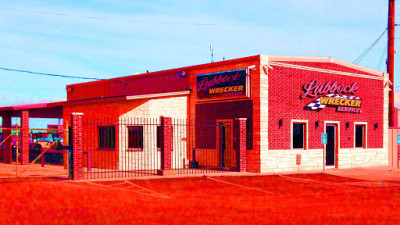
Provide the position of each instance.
(131, 147)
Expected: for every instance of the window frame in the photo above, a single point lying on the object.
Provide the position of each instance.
(100, 147)
(365, 134)
(135, 149)
(305, 134)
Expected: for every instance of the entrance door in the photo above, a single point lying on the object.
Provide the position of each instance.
(227, 156)
(331, 145)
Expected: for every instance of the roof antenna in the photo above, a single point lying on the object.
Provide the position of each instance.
(212, 53)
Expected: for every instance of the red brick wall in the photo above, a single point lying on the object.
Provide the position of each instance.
(285, 88)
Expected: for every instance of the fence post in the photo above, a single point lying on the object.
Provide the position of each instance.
(166, 147)
(7, 150)
(25, 138)
(241, 144)
(77, 145)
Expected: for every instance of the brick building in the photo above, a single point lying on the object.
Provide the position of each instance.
(287, 103)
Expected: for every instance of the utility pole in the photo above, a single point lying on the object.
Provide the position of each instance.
(390, 63)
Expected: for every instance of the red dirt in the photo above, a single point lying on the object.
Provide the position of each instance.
(307, 199)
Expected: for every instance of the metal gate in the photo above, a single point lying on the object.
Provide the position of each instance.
(127, 147)
(28, 152)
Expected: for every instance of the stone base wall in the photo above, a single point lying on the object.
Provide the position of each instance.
(276, 161)
(350, 158)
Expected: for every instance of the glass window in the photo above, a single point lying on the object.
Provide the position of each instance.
(135, 137)
(360, 136)
(158, 136)
(298, 135)
(107, 137)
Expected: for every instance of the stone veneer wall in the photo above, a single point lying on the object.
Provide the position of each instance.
(312, 160)
(264, 152)
(150, 157)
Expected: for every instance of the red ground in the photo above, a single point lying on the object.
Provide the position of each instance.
(289, 199)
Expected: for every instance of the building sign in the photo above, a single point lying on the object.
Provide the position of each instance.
(332, 94)
(324, 138)
(222, 85)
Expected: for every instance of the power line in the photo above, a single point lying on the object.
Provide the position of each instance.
(382, 57)
(134, 20)
(48, 74)
(361, 57)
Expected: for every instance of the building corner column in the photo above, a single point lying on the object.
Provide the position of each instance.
(264, 117)
(166, 147)
(241, 144)
(386, 127)
(25, 137)
(77, 146)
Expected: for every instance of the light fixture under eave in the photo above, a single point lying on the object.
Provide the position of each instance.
(182, 73)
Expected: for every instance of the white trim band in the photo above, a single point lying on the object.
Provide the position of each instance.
(157, 95)
(324, 70)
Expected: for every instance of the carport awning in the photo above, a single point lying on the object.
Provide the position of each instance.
(36, 110)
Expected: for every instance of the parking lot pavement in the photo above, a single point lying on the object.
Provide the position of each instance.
(368, 173)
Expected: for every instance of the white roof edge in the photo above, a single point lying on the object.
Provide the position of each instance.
(323, 59)
(157, 95)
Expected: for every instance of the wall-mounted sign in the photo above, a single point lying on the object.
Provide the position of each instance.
(222, 85)
(332, 94)
(324, 138)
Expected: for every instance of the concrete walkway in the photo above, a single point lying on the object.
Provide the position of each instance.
(33, 170)
(368, 173)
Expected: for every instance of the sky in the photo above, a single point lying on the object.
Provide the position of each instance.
(113, 38)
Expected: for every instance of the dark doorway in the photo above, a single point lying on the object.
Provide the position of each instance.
(331, 145)
(222, 146)
(227, 154)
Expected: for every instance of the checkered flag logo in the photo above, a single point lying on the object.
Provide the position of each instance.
(317, 106)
